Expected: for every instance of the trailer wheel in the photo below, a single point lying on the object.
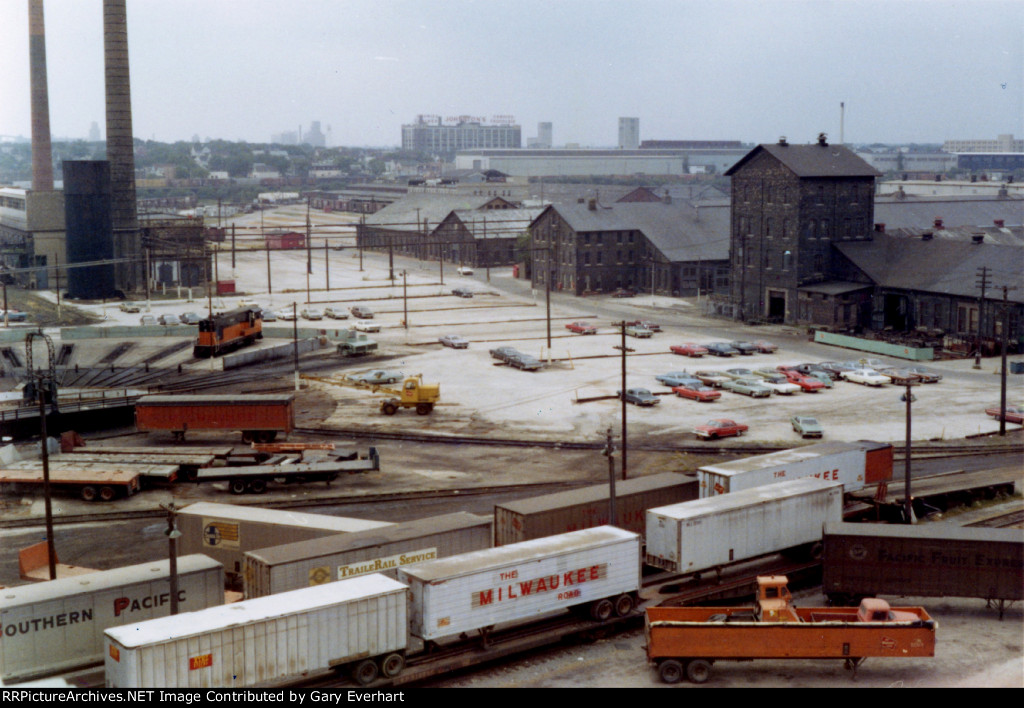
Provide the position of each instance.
(602, 610)
(670, 671)
(698, 670)
(624, 605)
(815, 551)
(392, 665)
(237, 486)
(424, 408)
(247, 436)
(365, 672)
(258, 486)
(265, 436)
(107, 493)
(88, 493)
(389, 408)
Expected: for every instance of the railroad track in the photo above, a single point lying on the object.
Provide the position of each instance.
(1002, 521)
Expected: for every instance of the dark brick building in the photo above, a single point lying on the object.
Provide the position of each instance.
(790, 204)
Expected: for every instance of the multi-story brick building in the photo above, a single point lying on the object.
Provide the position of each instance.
(790, 203)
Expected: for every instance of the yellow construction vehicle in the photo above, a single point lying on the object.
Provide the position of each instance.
(413, 394)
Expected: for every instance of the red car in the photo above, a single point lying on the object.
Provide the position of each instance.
(1014, 414)
(688, 349)
(698, 393)
(807, 383)
(765, 347)
(719, 428)
(581, 328)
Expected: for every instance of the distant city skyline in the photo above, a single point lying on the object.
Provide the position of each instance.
(907, 71)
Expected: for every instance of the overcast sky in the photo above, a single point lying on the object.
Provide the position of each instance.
(907, 70)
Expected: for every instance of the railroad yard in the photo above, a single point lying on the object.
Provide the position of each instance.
(499, 433)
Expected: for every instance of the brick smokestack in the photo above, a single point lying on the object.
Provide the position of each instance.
(42, 154)
(120, 146)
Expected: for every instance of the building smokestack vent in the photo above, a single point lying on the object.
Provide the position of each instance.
(880, 228)
(42, 153)
(782, 141)
(938, 223)
(823, 139)
(978, 238)
(592, 205)
(999, 222)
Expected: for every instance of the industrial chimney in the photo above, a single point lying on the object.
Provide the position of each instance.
(42, 154)
(120, 148)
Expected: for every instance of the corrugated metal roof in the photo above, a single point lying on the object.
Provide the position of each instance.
(432, 208)
(942, 266)
(814, 160)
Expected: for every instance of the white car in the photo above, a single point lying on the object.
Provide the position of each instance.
(465, 270)
(335, 313)
(288, 315)
(311, 313)
(366, 326)
(868, 377)
(780, 385)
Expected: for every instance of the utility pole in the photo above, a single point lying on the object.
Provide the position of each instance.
(327, 265)
(983, 283)
(232, 247)
(173, 534)
(295, 342)
(1002, 367)
(624, 349)
(609, 452)
(908, 502)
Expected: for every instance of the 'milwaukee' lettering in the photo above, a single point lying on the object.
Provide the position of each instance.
(59, 620)
(536, 586)
(123, 604)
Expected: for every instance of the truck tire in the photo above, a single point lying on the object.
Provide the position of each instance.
(257, 486)
(107, 493)
(88, 493)
(365, 672)
(424, 408)
(389, 408)
(237, 486)
(602, 610)
(698, 670)
(392, 665)
(623, 605)
(670, 671)
(265, 436)
(248, 436)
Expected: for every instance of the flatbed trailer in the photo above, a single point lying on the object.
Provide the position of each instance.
(254, 478)
(89, 483)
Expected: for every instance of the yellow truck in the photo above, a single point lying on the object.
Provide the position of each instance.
(413, 394)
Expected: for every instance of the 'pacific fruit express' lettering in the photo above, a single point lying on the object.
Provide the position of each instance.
(564, 583)
(59, 620)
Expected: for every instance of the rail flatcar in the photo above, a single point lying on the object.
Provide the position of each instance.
(227, 331)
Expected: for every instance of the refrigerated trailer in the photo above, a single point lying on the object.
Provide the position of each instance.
(58, 625)
(855, 464)
(259, 417)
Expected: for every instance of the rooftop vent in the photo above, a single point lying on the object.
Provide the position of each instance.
(880, 228)
(823, 139)
(782, 141)
(927, 236)
(978, 238)
(938, 223)
(592, 205)
(999, 222)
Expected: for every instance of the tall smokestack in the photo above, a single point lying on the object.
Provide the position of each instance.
(120, 147)
(42, 154)
(842, 121)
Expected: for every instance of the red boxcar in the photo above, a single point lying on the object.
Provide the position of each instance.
(260, 417)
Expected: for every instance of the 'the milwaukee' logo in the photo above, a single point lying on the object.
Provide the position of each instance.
(521, 588)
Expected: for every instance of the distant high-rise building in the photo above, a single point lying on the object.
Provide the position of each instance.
(314, 137)
(543, 139)
(432, 136)
(1004, 143)
(94, 132)
(629, 133)
(289, 137)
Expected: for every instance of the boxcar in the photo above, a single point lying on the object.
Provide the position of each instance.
(855, 464)
(381, 550)
(924, 560)
(226, 331)
(226, 531)
(260, 417)
(710, 533)
(58, 625)
(597, 569)
(361, 622)
(585, 508)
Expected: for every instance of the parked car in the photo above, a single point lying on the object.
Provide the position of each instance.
(378, 376)
(268, 316)
(808, 368)
(765, 347)
(809, 383)
(1014, 414)
(925, 375)
(623, 292)
(721, 349)
(311, 313)
(503, 353)
(748, 387)
(462, 292)
(868, 377)
(335, 313)
(130, 307)
(581, 328)
(638, 397)
(454, 341)
(675, 378)
(807, 426)
(287, 315)
(464, 270)
(189, 318)
(738, 373)
(719, 428)
(653, 326)
(361, 311)
(524, 362)
(780, 384)
(712, 378)
(835, 368)
(147, 320)
(900, 377)
(744, 348)
(688, 349)
(366, 326)
(168, 320)
(697, 392)
(639, 332)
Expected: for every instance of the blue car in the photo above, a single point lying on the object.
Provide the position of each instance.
(676, 378)
(721, 349)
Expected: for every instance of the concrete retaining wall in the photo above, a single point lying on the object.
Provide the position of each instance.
(869, 345)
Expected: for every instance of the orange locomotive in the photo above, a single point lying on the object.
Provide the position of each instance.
(227, 331)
